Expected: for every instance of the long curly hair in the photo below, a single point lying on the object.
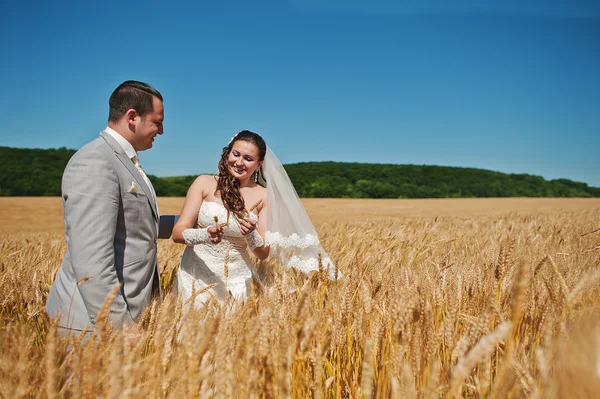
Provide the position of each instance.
(227, 185)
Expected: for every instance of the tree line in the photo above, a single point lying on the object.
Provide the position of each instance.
(356, 180)
(38, 172)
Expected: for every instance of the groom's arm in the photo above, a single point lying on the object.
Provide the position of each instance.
(165, 227)
(91, 195)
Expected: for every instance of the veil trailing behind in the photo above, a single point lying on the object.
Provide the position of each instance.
(290, 233)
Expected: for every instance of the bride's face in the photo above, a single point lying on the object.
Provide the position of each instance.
(243, 159)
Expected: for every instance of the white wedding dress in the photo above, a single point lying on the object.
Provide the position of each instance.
(228, 263)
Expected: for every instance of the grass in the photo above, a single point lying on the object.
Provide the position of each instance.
(441, 298)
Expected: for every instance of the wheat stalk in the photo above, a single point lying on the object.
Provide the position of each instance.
(433, 329)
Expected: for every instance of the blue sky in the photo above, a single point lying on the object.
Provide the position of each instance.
(512, 86)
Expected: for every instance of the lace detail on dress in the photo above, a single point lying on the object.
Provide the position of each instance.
(310, 265)
(301, 253)
(211, 209)
(274, 238)
(226, 264)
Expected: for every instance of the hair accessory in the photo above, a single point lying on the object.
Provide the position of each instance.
(233, 138)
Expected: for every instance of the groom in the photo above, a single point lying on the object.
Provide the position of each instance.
(111, 218)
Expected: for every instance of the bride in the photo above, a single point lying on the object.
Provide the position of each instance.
(251, 204)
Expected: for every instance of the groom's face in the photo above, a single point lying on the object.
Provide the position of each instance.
(149, 126)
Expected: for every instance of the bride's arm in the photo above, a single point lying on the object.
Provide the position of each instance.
(189, 215)
(261, 252)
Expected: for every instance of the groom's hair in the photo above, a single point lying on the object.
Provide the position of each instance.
(131, 94)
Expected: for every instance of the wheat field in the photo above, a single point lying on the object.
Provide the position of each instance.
(475, 298)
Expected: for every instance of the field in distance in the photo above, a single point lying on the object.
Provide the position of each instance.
(44, 214)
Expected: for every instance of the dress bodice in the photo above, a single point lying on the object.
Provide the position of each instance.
(212, 213)
(228, 263)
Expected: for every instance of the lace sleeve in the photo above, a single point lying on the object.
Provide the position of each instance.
(254, 240)
(195, 236)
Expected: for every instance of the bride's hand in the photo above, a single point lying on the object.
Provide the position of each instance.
(247, 226)
(215, 234)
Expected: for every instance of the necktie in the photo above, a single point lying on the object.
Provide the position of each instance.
(136, 162)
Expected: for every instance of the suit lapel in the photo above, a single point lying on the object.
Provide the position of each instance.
(121, 156)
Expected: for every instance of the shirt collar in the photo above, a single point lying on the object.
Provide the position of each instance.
(126, 145)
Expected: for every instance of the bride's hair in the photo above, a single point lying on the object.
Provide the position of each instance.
(227, 185)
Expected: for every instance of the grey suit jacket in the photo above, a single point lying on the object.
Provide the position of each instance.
(111, 229)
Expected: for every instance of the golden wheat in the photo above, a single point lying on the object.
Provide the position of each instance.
(440, 298)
